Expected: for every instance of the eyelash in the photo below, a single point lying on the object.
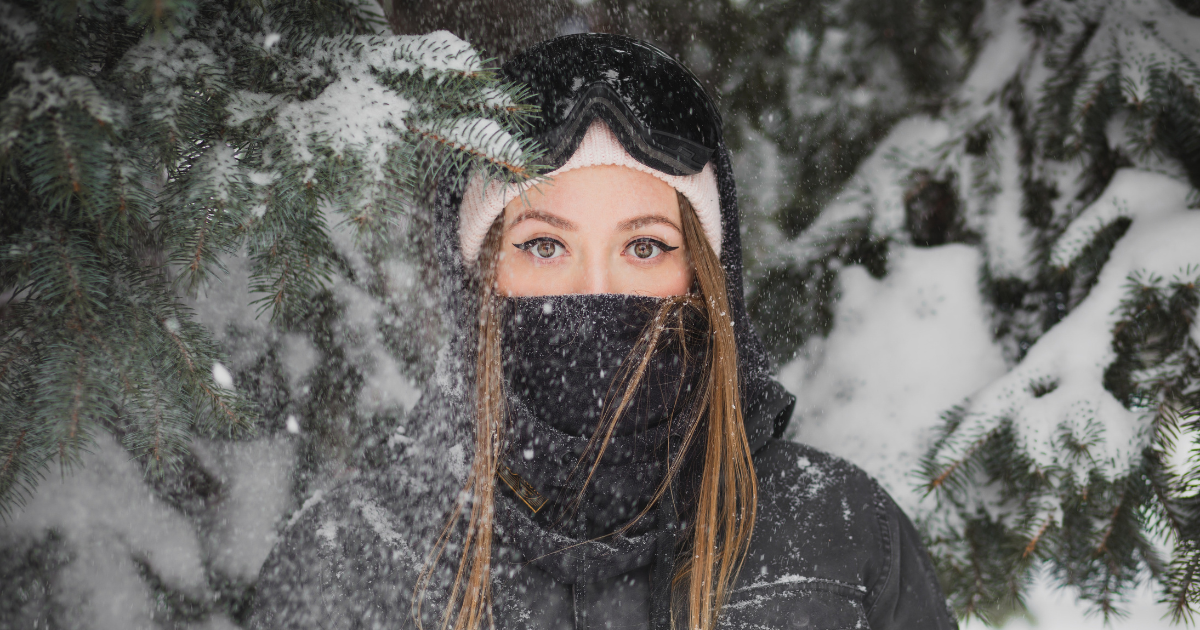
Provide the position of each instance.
(533, 242)
(653, 241)
(663, 247)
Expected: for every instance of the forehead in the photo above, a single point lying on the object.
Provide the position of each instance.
(598, 195)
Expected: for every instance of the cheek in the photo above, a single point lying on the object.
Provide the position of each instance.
(517, 274)
(508, 277)
(674, 278)
(683, 278)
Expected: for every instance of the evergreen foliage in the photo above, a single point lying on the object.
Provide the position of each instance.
(145, 145)
(1086, 470)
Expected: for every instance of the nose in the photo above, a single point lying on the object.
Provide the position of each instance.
(596, 277)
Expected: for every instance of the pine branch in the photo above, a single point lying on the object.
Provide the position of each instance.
(513, 167)
(68, 155)
(1037, 538)
(8, 469)
(1182, 591)
(196, 266)
(1102, 547)
(961, 460)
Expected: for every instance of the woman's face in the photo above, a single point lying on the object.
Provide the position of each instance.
(599, 229)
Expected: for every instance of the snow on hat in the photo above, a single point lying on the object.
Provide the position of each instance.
(481, 205)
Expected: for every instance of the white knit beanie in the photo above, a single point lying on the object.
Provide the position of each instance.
(481, 206)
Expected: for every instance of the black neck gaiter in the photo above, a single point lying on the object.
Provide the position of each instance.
(562, 366)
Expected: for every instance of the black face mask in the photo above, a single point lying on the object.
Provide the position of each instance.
(563, 358)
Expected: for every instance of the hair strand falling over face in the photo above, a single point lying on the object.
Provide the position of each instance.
(725, 507)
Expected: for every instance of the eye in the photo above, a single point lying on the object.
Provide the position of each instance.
(544, 247)
(647, 248)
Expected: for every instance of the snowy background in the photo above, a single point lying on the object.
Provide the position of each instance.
(893, 350)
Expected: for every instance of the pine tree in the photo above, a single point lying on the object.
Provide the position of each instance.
(1071, 166)
(144, 146)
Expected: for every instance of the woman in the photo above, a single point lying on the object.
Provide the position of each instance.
(600, 446)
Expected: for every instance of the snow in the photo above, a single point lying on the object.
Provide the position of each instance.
(1165, 45)
(815, 479)
(876, 190)
(245, 106)
(17, 27)
(442, 51)
(357, 114)
(1168, 40)
(480, 136)
(221, 177)
(760, 180)
(832, 51)
(222, 376)
(328, 532)
(257, 486)
(226, 307)
(899, 355)
(1053, 608)
(47, 91)
(456, 462)
(380, 522)
(298, 356)
(114, 527)
(903, 350)
(386, 386)
(168, 64)
(788, 579)
(1074, 354)
(1009, 251)
(110, 520)
(1003, 54)
(1131, 194)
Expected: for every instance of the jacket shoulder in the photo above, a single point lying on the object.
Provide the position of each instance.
(817, 514)
(831, 546)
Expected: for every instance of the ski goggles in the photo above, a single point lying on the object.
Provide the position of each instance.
(654, 105)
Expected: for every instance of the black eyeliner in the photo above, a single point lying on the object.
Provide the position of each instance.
(661, 245)
(527, 245)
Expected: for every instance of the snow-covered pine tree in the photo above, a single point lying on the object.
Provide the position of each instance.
(146, 146)
(1083, 456)
(1066, 163)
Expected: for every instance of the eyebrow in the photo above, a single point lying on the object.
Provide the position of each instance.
(649, 219)
(545, 217)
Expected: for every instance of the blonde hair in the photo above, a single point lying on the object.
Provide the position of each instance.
(725, 506)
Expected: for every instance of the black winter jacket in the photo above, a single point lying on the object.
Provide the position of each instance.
(830, 549)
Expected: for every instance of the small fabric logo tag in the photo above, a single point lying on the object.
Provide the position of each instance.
(524, 491)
